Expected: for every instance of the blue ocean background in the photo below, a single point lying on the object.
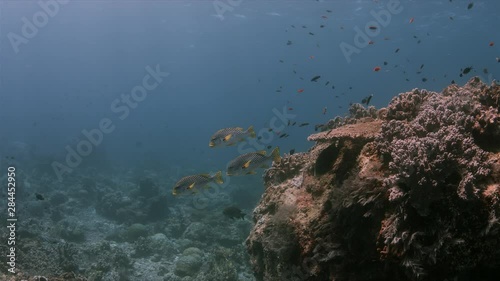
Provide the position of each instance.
(223, 72)
(248, 65)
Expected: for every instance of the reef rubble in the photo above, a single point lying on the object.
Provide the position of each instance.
(406, 192)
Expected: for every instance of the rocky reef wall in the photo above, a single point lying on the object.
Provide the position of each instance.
(406, 192)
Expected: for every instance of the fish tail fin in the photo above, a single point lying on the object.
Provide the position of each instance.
(251, 132)
(276, 155)
(218, 177)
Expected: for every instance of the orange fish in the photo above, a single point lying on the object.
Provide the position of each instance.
(377, 68)
(290, 108)
(411, 20)
(491, 44)
(300, 90)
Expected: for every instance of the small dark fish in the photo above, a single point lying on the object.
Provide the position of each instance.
(310, 33)
(422, 66)
(293, 124)
(233, 213)
(39, 196)
(372, 27)
(367, 100)
(270, 129)
(328, 11)
(293, 26)
(397, 50)
(315, 78)
(498, 59)
(281, 61)
(303, 124)
(333, 86)
(461, 75)
(385, 63)
(470, 6)
(321, 26)
(269, 146)
(292, 151)
(424, 79)
(451, 18)
(284, 135)
(327, 82)
(289, 43)
(419, 41)
(467, 70)
(485, 71)
(304, 26)
(452, 81)
(278, 91)
(318, 126)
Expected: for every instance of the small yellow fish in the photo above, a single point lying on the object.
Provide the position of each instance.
(194, 181)
(249, 162)
(230, 136)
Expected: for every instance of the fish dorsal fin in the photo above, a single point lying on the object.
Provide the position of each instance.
(205, 175)
(239, 128)
(228, 137)
(246, 164)
(191, 185)
(262, 152)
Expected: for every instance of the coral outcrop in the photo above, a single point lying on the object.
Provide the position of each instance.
(408, 192)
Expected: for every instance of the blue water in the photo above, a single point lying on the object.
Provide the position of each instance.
(224, 70)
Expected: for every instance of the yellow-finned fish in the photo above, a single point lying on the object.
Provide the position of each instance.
(195, 181)
(230, 136)
(247, 163)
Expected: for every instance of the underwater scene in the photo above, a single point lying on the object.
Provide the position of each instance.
(247, 140)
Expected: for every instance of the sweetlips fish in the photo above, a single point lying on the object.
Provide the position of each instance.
(195, 181)
(247, 163)
(230, 136)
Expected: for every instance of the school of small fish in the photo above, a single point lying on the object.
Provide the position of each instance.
(247, 164)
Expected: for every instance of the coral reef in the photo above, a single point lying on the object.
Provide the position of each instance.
(408, 192)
